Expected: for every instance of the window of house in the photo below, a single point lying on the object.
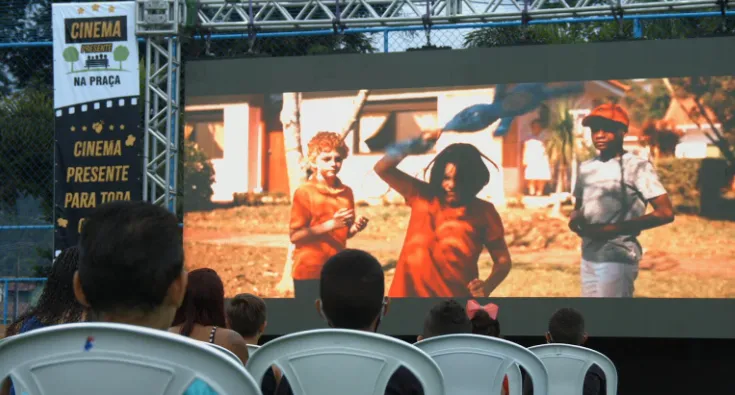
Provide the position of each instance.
(207, 130)
(386, 122)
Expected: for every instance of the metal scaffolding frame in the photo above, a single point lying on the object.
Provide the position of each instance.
(160, 21)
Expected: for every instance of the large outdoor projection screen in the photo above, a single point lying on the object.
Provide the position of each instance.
(243, 117)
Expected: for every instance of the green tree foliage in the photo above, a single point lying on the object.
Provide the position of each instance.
(120, 54)
(718, 95)
(71, 55)
(197, 178)
(25, 22)
(27, 148)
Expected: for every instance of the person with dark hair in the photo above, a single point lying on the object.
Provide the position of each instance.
(484, 319)
(449, 225)
(446, 318)
(611, 195)
(131, 267)
(566, 326)
(352, 289)
(57, 304)
(202, 314)
(247, 315)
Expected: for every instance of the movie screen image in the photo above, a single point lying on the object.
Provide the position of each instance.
(597, 188)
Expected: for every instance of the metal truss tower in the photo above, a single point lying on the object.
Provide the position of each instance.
(160, 21)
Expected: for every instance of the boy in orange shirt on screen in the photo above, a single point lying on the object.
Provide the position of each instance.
(322, 215)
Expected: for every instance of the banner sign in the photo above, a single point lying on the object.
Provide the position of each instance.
(98, 150)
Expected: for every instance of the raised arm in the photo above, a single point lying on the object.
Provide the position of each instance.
(387, 166)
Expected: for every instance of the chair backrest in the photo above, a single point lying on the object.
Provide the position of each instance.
(568, 365)
(116, 359)
(340, 361)
(252, 348)
(226, 351)
(476, 364)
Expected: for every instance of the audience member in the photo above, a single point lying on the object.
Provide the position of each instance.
(131, 268)
(202, 314)
(484, 318)
(485, 322)
(449, 317)
(57, 304)
(246, 315)
(566, 326)
(446, 318)
(351, 290)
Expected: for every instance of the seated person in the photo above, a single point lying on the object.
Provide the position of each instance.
(449, 317)
(566, 326)
(202, 314)
(446, 318)
(246, 315)
(484, 318)
(131, 268)
(57, 304)
(351, 296)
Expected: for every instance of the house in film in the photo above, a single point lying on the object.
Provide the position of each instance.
(244, 138)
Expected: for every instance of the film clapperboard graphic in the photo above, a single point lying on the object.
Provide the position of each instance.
(98, 138)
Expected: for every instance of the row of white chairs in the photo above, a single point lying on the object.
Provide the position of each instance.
(95, 358)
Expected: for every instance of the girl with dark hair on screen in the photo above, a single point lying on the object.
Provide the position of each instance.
(202, 314)
(57, 304)
(449, 225)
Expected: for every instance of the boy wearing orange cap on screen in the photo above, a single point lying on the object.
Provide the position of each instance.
(612, 193)
(322, 214)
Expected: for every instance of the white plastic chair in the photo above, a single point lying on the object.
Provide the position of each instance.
(475, 364)
(252, 348)
(116, 359)
(226, 352)
(567, 366)
(341, 361)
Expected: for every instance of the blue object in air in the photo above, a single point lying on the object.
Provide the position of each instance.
(523, 98)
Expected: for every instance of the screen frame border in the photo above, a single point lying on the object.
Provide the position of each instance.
(639, 317)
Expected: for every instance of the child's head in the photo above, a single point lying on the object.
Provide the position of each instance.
(608, 125)
(446, 318)
(246, 314)
(204, 302)
(351, 291)
(566, 326)
(326, 151)
(484, 319)
(458, 174)
(131, 266)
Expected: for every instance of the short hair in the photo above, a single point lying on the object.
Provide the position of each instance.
(483, 324)
(204, 302)
(472, 173)
(446, 318)
(327, 141)
(247, 314)
(130, 254)
(352, 289)
(567, 326)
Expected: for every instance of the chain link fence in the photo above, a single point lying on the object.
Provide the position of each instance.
(26, 91)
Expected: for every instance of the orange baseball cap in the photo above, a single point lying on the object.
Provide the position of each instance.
(610, 112)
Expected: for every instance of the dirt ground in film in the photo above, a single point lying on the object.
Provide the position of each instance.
(691, 258)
